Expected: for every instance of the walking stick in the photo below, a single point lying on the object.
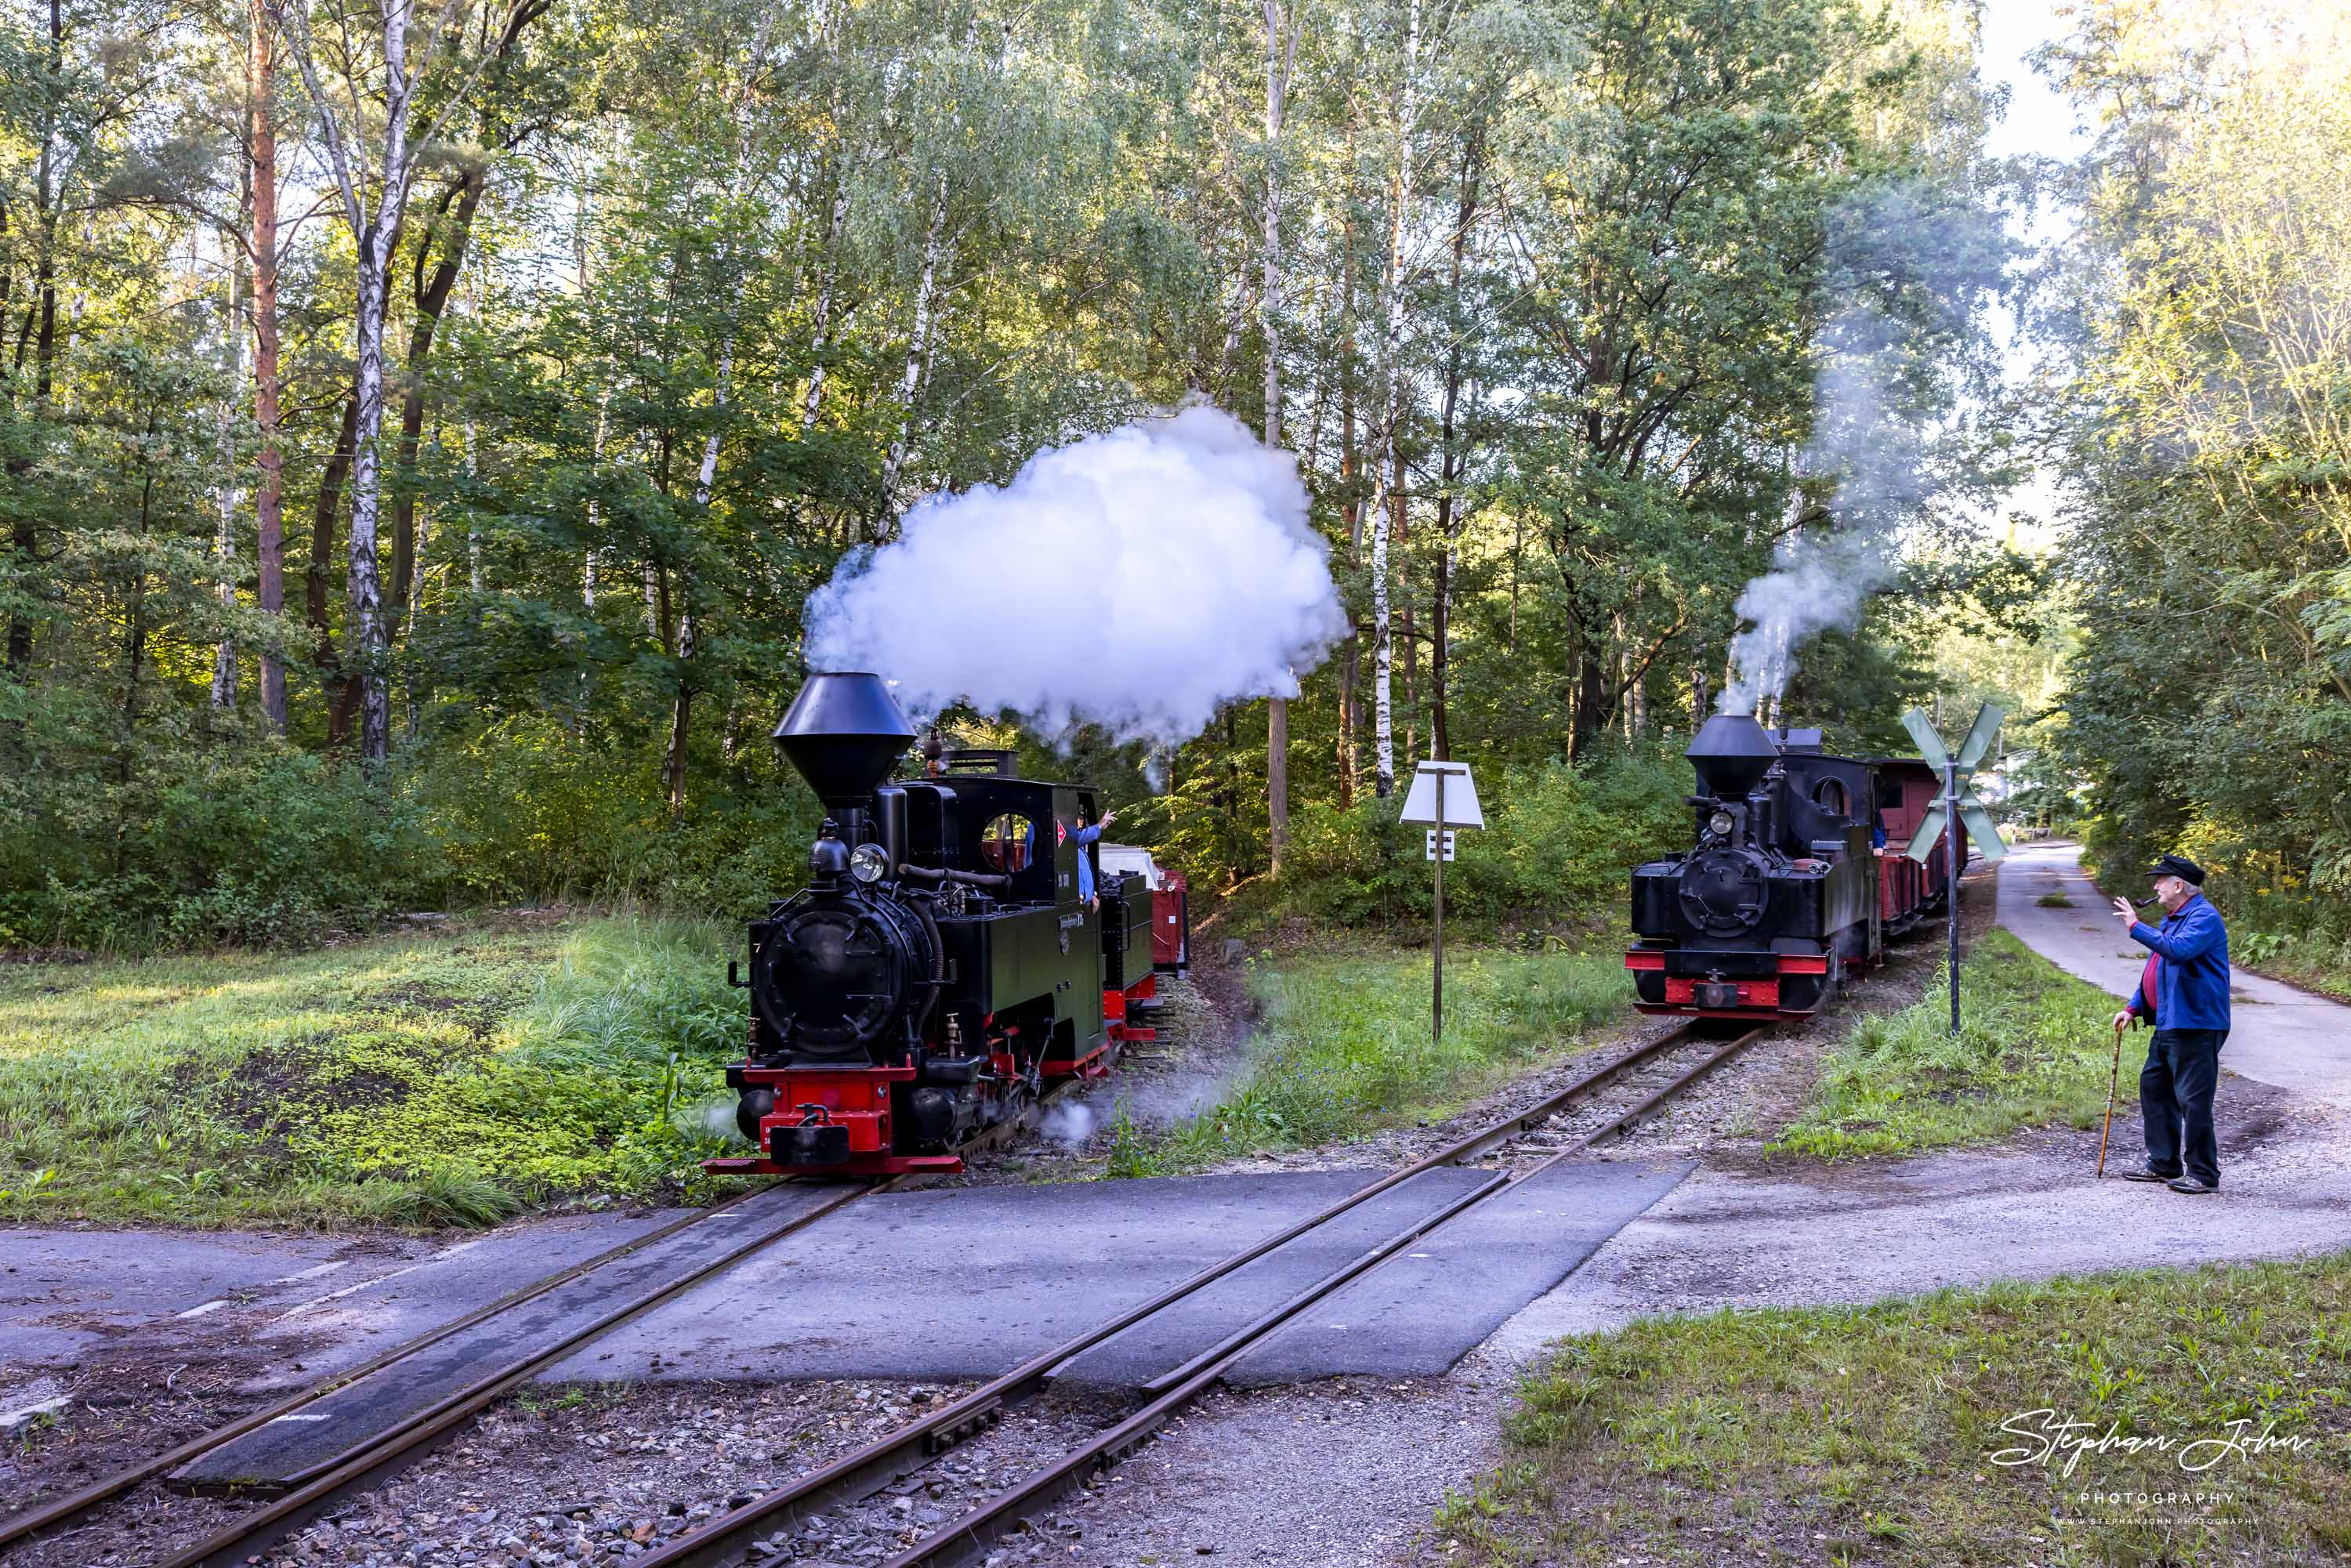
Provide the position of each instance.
(2113, 1083)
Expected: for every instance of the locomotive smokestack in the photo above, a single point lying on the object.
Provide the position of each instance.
(844, 732)
(1731, 752)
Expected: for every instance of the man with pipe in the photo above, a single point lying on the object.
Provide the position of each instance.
(2183, 993)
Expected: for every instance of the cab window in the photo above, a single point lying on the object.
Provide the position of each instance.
(1008, 844)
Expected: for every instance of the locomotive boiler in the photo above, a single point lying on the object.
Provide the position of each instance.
(939, 972)
(1789, 885)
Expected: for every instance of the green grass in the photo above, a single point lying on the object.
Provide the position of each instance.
(2054, 901)
(1345, 1050)
(1867, 1435)
(2033, 1048)
(2314, 960)
(410, 1081)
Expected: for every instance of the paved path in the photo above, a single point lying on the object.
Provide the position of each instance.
(2028, 1208)
(2281, 1036)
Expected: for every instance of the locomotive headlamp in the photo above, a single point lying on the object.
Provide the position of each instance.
(1721, 822)
(867, 862)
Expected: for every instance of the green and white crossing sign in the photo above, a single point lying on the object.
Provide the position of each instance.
(1959, 801)
(1982, 832)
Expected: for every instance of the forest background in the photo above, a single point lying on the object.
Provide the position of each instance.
(420, 429)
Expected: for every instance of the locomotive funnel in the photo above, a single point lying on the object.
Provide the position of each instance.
(1730, 752)
(844, 732)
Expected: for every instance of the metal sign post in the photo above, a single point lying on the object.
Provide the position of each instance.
(1436, 969)
(1951, 860)
(1427, 803)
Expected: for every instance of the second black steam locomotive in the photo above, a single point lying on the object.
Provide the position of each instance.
(1789, 885)
(940, 969)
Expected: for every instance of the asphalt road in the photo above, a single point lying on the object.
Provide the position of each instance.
(2280, 1035)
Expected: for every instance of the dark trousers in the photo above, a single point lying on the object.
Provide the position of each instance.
(2175, 1097)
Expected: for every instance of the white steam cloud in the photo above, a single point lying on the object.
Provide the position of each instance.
(1135, 579)
(1910, 263)
(1825, 572)
(1069, 1123)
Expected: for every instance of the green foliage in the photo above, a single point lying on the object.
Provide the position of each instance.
(792, 270)
(2034, 1048)
(1559, 843)
(451, 1079)
(1873, 1428)
(2210, 706)
(1345, 1050)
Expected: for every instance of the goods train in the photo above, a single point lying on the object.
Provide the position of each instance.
(940, 970)
(1791, 883)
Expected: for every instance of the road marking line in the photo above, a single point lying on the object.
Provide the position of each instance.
(300, 1416)
(314, 1272)
(347, 1290)
(199, 1311)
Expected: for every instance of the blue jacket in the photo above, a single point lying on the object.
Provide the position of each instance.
(1081, 838)
(2191, 980)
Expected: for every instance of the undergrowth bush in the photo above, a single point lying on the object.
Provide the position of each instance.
(265, 843)
(1559, 839)
(2278, 920)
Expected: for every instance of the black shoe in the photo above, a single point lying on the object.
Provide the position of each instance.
(2151, 1174)
(2190, 1185)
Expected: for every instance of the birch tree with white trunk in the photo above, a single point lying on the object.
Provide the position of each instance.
(1392, 362)
(373, 184)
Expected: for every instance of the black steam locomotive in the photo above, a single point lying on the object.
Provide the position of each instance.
(940, 969)
(1790, 883)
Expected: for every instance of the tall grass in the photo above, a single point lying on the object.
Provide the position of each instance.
(2034, 1048)
(417, 1080)
(1346, 1049)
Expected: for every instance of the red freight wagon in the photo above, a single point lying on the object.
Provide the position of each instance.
(1907, 890)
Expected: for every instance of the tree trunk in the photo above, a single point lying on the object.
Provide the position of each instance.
(1383, 636)
(1350, 475)
(22, 535)
(324, 514)
(366, 640)
(681, 705)
(1440, 739)
(269, 492)
(823, 322)
(223, 692)
(917, 347)
(375, 238)
(432, 297)
(1277, 707)
(1453, 464)
(1400, 535)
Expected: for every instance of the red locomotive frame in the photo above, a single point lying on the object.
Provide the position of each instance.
(859, 1097)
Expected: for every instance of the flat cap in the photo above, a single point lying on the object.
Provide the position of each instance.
(2180, 866)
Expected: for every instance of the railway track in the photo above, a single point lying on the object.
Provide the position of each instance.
(384, 1453)
(1576, 1119)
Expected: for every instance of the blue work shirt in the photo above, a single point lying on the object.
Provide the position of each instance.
(2192, 981)
(1081, 838)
